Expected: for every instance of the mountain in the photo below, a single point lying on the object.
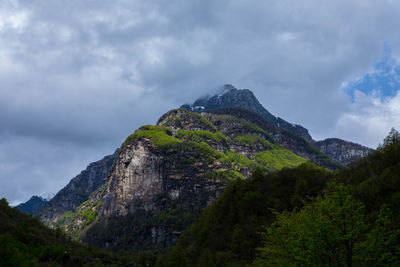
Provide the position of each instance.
(147, 193)
(77, 190)
(230, 97)
(164, 175)
(32, 205)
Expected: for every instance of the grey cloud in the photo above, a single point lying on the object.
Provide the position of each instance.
(76, 77)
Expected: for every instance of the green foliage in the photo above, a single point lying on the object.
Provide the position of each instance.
(278, 158)
(145, 258)
(206, 122)
(201, 135)
(156, 128)
(237, 162)
(89, 215)
(251, 139)
(14, 253)
(223, 175)
(177, 258)
(325, 232)
(25, 241)
(392, 138)
(376, 179)
(186, 161)
(176, 216)
(66, 217)
(330, 231)
(381, 247)
(197, 149)
(251, 127)
(159, 136)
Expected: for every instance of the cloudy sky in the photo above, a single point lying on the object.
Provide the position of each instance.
(78, 76)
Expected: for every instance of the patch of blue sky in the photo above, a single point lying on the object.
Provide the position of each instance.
(383, 80)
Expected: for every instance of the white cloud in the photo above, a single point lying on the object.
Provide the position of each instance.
(370, 119)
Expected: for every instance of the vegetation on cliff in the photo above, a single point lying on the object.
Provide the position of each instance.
(201, 135)
(278, 158)
(159, 136)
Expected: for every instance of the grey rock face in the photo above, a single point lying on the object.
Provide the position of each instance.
(342, 151)
(230, 97)
(137, 177)
(77, 190)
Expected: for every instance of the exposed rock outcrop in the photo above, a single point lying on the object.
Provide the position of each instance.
(342, 151)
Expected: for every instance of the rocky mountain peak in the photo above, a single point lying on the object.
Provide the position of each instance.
(230, 97)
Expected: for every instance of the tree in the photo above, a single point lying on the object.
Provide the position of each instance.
(325, 232)
(381, 247)
(392, 138)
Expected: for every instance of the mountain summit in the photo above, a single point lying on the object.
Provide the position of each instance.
(230, 97)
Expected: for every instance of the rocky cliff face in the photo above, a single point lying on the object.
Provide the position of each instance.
(343, 151)
(32, 205)
(77, 190)
(230, 97)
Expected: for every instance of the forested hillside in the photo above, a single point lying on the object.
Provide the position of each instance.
(303, 216)
(25, 241)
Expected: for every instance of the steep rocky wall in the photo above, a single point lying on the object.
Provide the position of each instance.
(136, 177)
(343, 151)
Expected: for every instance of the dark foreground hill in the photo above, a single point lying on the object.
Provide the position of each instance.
(229, 231)
(25, 241)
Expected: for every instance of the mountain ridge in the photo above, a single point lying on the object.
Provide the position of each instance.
(231, 97)
(32, 205)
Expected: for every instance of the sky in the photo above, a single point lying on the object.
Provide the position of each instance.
(78, 76)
